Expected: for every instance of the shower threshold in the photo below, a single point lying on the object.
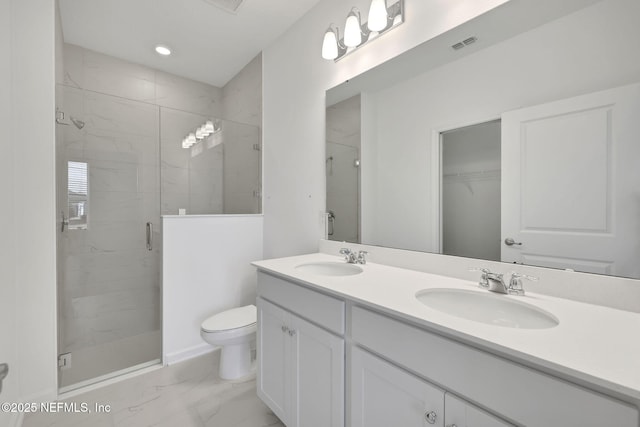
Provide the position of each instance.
(107, 379)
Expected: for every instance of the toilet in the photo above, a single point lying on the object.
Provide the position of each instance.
(234, 330)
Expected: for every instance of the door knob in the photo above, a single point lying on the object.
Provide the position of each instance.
(510, 242)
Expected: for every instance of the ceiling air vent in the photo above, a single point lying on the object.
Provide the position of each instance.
(464, 43)
(230, 6)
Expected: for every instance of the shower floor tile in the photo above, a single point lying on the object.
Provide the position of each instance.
(187, 394)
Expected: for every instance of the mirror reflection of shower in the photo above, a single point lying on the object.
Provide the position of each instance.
(60, 120)
(342, 164)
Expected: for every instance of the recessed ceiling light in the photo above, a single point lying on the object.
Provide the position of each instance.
(163, 50)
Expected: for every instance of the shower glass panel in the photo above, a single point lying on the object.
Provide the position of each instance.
(218, 174)
(343, 194)
(108, 198)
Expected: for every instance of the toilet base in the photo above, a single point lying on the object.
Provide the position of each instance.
(235, 361)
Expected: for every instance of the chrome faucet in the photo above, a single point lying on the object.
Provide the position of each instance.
(353, 257)
(494, 282)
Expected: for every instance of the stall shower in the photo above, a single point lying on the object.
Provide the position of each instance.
(121, 165)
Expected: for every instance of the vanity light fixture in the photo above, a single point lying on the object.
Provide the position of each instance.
(382, 18)
(378, 15)
(332, 47)
(163, 50)
(353, 31)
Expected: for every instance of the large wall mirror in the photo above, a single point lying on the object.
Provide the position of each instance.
(521, 146)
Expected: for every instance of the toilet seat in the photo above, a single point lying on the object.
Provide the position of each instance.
(232, 320)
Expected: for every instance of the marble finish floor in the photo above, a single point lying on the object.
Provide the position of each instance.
(187, 394)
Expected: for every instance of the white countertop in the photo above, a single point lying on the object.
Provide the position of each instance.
(593, 344)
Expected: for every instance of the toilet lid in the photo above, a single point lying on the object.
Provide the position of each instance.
(231, 319)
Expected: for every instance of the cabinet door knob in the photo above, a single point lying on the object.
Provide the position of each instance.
(284, 328)
(292, 332)
(430, 417)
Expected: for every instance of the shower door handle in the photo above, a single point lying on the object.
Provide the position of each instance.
(4, 371)
(64, 222)
(331, 218)
(149, 236)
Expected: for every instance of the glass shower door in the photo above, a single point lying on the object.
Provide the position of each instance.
(107, 154)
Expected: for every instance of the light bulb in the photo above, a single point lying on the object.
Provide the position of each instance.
(378, 15)
(185, 143)
(163, 50)
(352, 30)
(209, 127)
(191, 139)
(330, 45)
(199, 134)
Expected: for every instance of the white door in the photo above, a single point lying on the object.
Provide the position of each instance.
(274, 359)
(462, 414)
(318, 375)
(383, 395)
(571, 183)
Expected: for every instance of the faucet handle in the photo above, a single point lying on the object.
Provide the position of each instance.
(515, 284)
(362, 257)
(484, 279)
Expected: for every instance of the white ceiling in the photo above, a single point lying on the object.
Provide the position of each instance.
(209, 44)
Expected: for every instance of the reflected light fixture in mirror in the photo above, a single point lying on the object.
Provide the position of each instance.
(382, 18)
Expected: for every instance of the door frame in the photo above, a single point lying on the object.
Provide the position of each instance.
(435, 149)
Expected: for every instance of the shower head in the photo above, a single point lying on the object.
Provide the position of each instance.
(76, 122)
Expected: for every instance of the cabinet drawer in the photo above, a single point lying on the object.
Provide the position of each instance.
(516, 392)
(321, 309)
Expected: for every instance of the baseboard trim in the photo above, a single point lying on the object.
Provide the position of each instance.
(188, 353)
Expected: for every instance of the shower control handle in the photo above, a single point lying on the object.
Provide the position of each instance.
(430, 417)
(149, 236)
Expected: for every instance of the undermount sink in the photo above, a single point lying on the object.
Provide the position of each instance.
(487, 308)
(330, 268)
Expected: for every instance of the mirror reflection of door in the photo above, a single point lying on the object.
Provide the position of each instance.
(470, 189)
(343, 170)
(570, 194)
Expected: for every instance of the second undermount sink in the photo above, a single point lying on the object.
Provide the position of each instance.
(330, 268)
(485, 307)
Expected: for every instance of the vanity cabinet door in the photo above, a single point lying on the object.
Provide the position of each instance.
(300, 369)
(274, 382)
(384, 395)
(318, 376)
(459, 413)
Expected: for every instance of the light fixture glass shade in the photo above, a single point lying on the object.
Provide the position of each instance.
(330, 45)
(209, 127)
(352, 31)
(378, 15)
(199, 134)
(191, 139)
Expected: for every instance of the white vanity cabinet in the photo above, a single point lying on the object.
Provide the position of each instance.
(459, 413)
(402, 373)
(518, 393)
(384, 395)
(300, 364)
